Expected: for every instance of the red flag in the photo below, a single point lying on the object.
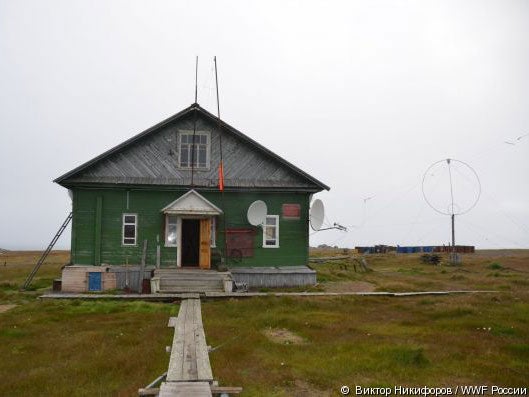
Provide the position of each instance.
(221, 177)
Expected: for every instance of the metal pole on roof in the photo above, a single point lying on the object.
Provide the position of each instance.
(222, 165)
(196, 79)
(194, 128)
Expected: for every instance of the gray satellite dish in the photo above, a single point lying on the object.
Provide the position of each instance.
(316, 215)
(257, 213)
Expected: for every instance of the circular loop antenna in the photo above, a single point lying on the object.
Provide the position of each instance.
(257, 213)
(317, 214)
(452, 207)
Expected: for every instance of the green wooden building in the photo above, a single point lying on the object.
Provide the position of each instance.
(160, 190)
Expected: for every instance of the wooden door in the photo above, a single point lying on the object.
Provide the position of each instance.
(205, 242)
(94, 281)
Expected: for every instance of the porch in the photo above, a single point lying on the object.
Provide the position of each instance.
(189, 280)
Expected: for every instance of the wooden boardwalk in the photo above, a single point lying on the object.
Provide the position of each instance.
(229, 295)
(189, 372)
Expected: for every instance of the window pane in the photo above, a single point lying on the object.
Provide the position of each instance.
(171, 219)
(270, 233)
(204, 139)
(184, 158)
(195, 155)
(129, 241)
(184, 138)
(270, 221)
(202, 156)
(129, 231)
(130, 219)
(171, 234)
(213, 227)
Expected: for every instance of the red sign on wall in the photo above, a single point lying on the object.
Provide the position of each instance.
(291, 211)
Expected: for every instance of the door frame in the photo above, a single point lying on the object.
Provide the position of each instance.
(179, 237)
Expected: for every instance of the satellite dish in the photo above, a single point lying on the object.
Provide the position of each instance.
(257, 213)
(316, 215)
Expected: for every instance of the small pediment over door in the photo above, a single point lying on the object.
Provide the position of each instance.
(192, 203)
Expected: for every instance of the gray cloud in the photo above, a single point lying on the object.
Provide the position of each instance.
(363, 95)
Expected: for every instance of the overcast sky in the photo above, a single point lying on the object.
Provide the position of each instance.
(363, 95)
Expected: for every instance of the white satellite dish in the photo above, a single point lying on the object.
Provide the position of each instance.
(257, 213)
(316, 214)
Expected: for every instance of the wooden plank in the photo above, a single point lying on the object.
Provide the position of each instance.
(189, 354)
(108, 281)
(142, 266)
(149, 392)
(189, 371)
(158, 254)
(203, 365)
(226, 389)
(174, 373)
(172, 322)
(185, 389)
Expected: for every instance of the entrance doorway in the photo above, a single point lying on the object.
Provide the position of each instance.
(190, 242)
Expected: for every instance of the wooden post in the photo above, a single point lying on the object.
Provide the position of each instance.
(142, 266)
(157, 251)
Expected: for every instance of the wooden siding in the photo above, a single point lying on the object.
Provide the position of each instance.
(292, 276)
(293, 242)
(153, 160)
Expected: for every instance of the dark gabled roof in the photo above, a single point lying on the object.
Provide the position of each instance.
(194, 107)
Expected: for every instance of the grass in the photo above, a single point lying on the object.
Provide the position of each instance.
(111, 348)
(490, 270)
(369, 341)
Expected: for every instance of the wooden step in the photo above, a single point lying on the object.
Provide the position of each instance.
(179, 290)
(165, 280)
(208, 278)
(199, 281)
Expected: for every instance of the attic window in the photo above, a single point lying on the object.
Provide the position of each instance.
(197, 153)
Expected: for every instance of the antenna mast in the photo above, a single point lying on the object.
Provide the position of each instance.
(452, 208)
(194, 127)
(452, 212)
(221, 166)
(196, 79)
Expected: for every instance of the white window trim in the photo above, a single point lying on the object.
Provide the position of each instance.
(208, 149)
(123, 243)
(166, 244)
(276, 245)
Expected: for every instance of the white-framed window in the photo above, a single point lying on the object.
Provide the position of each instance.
(197, 153)
(213, 238)
(171, 230)
(271, 232)
(129, 229)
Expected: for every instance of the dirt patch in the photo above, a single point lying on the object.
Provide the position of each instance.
(349, 286)
(305, 389)
(5, 308)
(283, 336)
